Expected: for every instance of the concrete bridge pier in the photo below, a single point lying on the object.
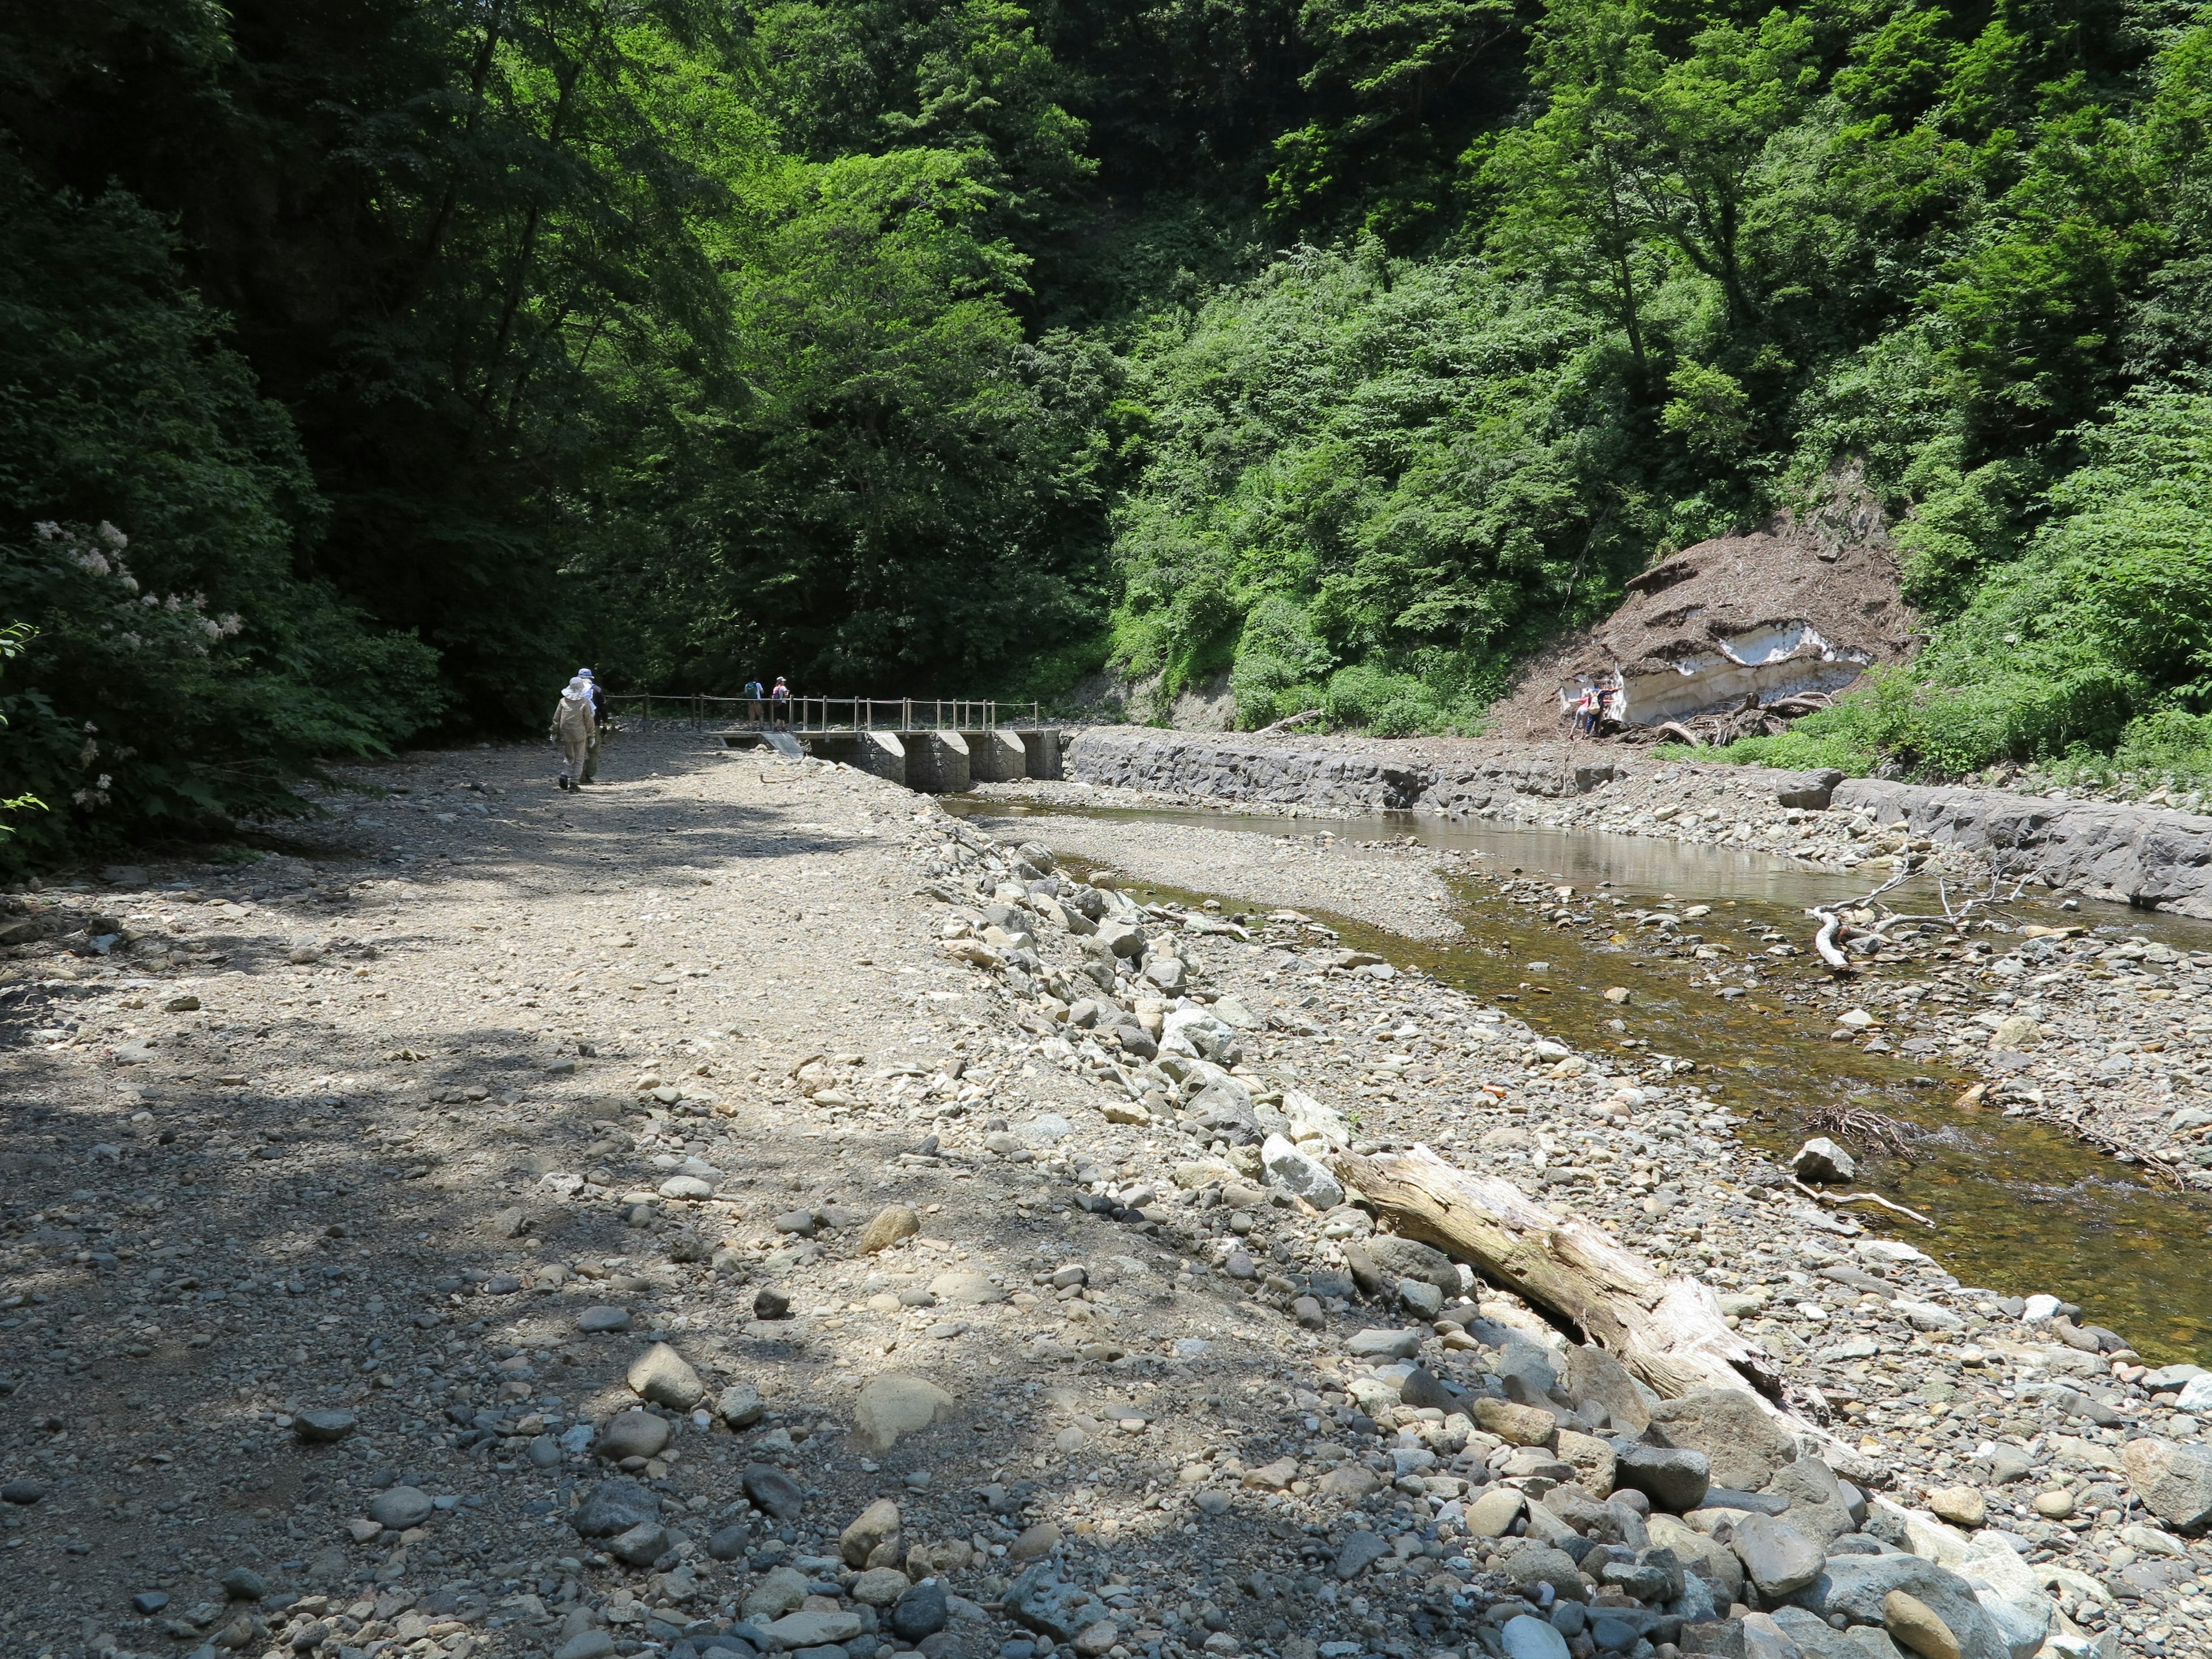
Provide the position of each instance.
(881, 753)
(995, 756)
(935, 763)
(1040, 753)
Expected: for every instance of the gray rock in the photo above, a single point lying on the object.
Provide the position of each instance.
(1295, 1172)
(873, 1527)
(244, 1584)
(615, 1506)
(1817, 1639)
(1672, 1478)
(1745, 1444)
(664, 1376)
(1420, 1297)
(1820, 1159)
(586, 1645)
(595, 1320)
(776, 1594)
(1360, 1550)
(641, 1546)
(1854, 1585)
(772, 1491)
(1526, 1637)
(1777, 1559)
(632, 1434)
(1424, 1390)
(1809, 790)
(921, 1612)
(23, 1492)
(1594, 1375)
(1223, 1108)
(739, 1405)
(1041, 1600)
(1819, 1506)
(400, 1508)
(320, 1428)
(1383, 1344)
(796, 1631)
(1409, 1258)
(730, 1543)
(544, 1452)
(1541, 1563)
(2172, 1480)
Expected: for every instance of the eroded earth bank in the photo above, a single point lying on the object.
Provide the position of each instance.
(743, 1209)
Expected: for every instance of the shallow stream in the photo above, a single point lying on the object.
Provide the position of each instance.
(2020, 1207)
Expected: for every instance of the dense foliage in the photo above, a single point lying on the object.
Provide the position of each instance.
(403, 353)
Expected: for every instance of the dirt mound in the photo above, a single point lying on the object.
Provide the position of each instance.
(1797, 610)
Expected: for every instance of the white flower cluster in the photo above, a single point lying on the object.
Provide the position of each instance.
(100, 554)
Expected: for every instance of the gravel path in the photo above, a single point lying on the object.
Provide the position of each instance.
(352, 1195)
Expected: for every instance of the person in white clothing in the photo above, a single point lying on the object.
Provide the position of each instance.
(575, 723)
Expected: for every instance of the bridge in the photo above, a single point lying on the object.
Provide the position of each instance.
(938, 746)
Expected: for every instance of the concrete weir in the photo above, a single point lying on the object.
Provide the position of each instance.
(933, 763)
(995, 756)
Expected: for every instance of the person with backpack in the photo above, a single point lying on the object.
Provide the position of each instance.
(753, 694)
(779, 696)
(603, 728)
(575, 723)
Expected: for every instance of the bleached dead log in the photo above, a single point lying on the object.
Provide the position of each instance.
(1679, 732)
(1669, 1332)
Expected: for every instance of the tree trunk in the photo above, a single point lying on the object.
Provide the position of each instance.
(1669, 1332)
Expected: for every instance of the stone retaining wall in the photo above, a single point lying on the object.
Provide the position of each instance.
(2146, 856)
(2142, 856)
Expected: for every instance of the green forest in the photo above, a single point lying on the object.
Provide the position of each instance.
(365, 365)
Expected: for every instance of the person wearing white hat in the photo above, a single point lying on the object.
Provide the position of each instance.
(575, 725)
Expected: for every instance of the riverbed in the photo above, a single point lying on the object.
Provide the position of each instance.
(2020, 1206)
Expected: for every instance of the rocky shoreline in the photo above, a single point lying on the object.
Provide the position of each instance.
(2066, 1016)
(745, 1210)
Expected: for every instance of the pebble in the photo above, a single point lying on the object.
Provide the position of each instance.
(593, 1320)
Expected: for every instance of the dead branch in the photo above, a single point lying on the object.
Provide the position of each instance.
(1858, 1197)
(1679, 732)
(1291, 724)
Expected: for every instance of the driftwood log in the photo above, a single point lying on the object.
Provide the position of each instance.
(1669, 1332)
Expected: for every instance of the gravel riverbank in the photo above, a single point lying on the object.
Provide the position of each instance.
(735, 1209)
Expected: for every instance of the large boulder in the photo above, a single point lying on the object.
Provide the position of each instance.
(1857, 1586)
(2172, 1480)
(1746, 1447)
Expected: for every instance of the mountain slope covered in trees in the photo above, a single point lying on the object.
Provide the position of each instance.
(364, 365)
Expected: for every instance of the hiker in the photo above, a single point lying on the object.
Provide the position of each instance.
(1585, 714)
(602, 726)
(753, 695)
(780, 697)
(575, 723)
